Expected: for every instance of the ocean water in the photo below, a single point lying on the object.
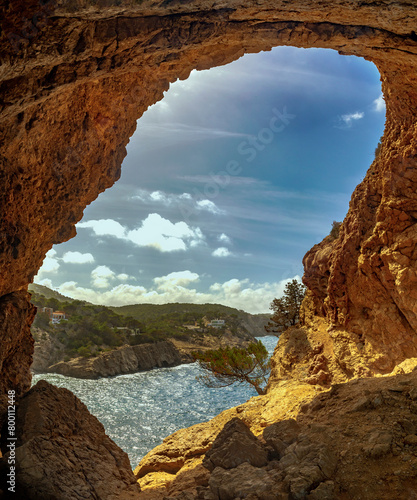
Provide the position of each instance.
(139, 410)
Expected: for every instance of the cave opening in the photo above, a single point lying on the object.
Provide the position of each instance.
(73, 86)
(228, 181)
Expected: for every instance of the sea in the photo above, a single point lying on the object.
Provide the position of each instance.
(139, 410)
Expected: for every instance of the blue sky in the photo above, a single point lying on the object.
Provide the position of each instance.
(228, 182)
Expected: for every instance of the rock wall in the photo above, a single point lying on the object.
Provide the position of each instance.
(16, 346)
(48, 350)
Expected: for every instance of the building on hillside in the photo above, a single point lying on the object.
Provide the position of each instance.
(217, 323)
(47, 310)
(57, 317)
(128, 331)
(196, 326)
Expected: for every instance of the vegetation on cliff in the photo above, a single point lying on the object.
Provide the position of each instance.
(90, 329)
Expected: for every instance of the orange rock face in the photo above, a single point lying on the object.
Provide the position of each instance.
(75, 78)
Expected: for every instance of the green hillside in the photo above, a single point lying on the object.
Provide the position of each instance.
(238, 320)
(156, 322)
(89, 329)
(48, 293)
(148, 312)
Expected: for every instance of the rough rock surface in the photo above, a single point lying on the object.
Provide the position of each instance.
(126, 359)
(48, 350)
(235, 445)
(16, 345)
(62, 451)
(357, 441)
(170, 467)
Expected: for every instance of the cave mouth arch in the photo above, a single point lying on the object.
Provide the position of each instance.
(69, 110)
(99, 211)
(71, 94)
(176, 168)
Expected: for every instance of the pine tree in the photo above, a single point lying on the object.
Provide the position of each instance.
(228, 365)
(287, 308)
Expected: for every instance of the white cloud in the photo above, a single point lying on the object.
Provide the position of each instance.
(124, 277)
(224, 239)
(45, 282)
(117, 296)
(159, 196)
(165, 235)
(184, 200)
(155, 231)
(77, 258)
(222, 252)
(209, 206)
(352, 117)
(101, 276)
(379, 104)
(50, 263)
(104, 227)
(175, 280)
(241, 294)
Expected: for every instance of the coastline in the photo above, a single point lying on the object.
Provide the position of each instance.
(131, 359)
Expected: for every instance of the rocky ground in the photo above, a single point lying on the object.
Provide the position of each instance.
(62, 452)
(356, 441)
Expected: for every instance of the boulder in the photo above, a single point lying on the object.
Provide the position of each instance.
(62, 451)
(235, 445)
(281, 434)
(246, 481)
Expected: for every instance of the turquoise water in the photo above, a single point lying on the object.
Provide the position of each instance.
(138, 411)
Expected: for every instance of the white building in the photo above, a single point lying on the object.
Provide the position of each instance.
(217, 323)
(57, 316)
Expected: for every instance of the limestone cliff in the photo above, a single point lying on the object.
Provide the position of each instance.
(126, 359)
(48, 350)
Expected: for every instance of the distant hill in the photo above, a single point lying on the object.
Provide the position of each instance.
(254, 323)
(48, 293)
(151, 313)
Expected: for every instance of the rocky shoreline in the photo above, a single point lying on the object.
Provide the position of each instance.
(125, 359)
(121, 361)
